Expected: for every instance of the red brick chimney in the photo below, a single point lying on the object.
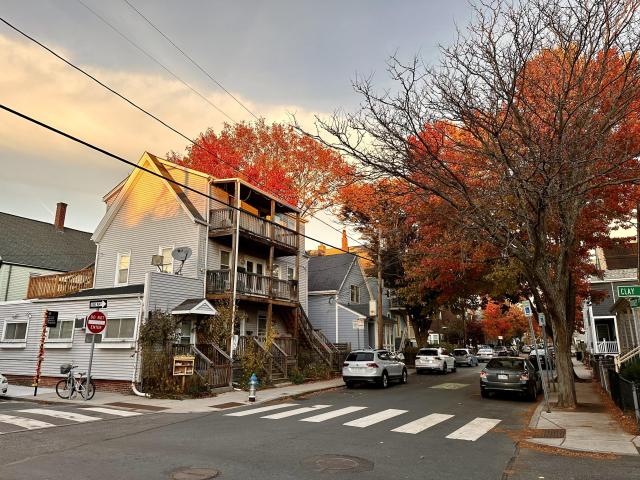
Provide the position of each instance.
(322, 250)
(61, 211)
(345, 243)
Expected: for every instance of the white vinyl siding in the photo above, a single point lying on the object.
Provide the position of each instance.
(165, 292)
(14, 280)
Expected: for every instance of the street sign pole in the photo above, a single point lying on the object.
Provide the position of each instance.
(529, 314)
(96, 323)
(88, 386)
(546, 356)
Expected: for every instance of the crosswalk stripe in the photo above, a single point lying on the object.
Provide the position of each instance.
(76, 417)
(375, 418)
(335, 413)
(27, 423)
(473, 430)
(111, 411)
(260, 410)
(423, 423)
(295, 411)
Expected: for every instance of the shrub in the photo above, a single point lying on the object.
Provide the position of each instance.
(631, 371)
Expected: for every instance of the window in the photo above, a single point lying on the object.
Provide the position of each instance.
(225, 260)
(120, 328)
(275, 271)
(184, 332)
(355, 294)
(360, 357)
(259, 269)
(250, 267)
(15, 331)
(167, 259)
(290, 272)
(262, 324)
(122, 268)
(62, 331)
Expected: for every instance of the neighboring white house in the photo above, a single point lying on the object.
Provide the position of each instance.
(147, 217)
(30, 247)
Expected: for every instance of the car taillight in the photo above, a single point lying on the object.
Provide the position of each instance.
(524, 376)
(483, 374)
(345, 364)
(372, 365)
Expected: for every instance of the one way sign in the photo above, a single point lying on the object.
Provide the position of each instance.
(97, 304)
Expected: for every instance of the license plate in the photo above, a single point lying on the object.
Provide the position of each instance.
(357, 369)
(503, 377)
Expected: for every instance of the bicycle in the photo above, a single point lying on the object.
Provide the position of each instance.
(67, 388)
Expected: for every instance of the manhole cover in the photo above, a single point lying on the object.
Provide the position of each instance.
(194, 474)
(227, 405)
(338, 463)
(548, 433)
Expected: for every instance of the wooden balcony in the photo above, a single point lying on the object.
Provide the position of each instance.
(606, 347)
(253, 227)
(252, 285)
(60, 284)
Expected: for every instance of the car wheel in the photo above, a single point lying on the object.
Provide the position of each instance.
(405, 376)
(444, 368)
(484, 393)
(349, 384)
(454, 369)
(384, 380)
(532, 394)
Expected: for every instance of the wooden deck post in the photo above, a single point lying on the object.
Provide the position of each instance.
(272, 214)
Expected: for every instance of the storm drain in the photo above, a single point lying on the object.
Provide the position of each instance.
(194, 474)
(227, 405)
(338, 463)
(548, 433)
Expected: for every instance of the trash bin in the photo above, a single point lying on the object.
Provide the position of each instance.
(579, 356)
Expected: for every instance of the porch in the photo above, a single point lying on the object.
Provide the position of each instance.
(252, 285)
(60, 284)
(605, 341)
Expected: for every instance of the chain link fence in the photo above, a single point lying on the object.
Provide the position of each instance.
(625, 393)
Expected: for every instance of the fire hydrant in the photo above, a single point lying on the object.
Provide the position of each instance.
(253, 384)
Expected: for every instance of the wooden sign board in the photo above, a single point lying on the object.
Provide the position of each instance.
(183, 365)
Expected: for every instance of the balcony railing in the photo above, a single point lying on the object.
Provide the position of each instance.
(60, 284)
(219, 281)
(222, 218)
(605, 347)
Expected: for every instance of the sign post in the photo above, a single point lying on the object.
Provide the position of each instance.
(529, 314)
(358, 325)
(547, 364)
(96, 323)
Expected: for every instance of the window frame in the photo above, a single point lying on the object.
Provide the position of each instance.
(291, 273)
(228, 266)
(356, 289)
(15, 340)
(160, 249)
(119, 338)
(117, 282)
(63, 339)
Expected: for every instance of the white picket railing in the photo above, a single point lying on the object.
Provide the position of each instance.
(607, 347)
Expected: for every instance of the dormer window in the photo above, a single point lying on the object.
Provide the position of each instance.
(355, 294)
(122, 268)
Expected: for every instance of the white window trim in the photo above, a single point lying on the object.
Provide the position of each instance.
(173, 262)
(119, 339)
(228, 266)
(117, 275)
(17, 341)
(61, 340)
(357, 300)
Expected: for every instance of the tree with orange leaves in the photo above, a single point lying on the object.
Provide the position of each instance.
(274, 157)
(527, 132)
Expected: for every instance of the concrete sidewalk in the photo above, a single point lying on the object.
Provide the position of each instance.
(196, 405)
(588, 428)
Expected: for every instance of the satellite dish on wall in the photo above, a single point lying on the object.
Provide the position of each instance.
(181, 254)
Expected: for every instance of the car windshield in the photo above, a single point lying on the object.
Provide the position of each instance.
(428, 351)
(506, 364)
(360, 357)
(459, 352)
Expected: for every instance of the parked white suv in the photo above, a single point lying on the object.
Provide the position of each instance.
(373, 366)
(434, 359)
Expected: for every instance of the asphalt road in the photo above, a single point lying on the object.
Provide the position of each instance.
(153, 445)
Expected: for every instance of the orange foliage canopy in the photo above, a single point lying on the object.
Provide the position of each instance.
(504, 320)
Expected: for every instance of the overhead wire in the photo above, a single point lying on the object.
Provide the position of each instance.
(143, 110)
(139, 167)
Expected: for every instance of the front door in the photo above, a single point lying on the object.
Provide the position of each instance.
(186, 332)
(603, 331)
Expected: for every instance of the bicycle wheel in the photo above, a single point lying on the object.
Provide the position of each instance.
(63, 389)
(87, 393)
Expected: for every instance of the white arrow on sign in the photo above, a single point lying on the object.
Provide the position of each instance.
(97, 304)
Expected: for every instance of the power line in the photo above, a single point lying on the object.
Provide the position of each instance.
(196, 64)
(135, 165)
(146, 112)
(106, 22)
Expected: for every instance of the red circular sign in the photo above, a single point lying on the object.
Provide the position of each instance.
(96, 322)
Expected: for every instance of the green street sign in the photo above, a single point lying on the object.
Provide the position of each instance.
(629, 290)
(634, 302)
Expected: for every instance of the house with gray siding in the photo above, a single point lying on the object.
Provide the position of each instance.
(246, 247)
(341, 303)
(31, 248)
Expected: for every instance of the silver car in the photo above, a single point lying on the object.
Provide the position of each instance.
(373, 366)
(485, 354)
(463, 356)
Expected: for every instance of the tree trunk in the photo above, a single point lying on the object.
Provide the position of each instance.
(421, 330)
(564, 366)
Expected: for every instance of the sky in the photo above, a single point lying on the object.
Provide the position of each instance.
(279, 58)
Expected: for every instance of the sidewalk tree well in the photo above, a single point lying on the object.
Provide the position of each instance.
(273, 157)
(526, 130)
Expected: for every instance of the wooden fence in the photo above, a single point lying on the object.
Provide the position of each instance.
(60, 284)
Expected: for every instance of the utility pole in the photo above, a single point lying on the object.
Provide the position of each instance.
(379, 299)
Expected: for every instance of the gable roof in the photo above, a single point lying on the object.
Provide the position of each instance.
(328, 272)
(33, 243)
(158, 166)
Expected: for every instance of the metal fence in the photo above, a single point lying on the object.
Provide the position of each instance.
(625, 393)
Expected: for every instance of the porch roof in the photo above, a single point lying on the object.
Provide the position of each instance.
(195, 306)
